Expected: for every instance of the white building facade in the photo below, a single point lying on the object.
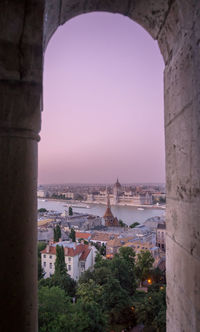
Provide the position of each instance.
(79, 257)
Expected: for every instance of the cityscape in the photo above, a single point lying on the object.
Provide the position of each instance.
(99, 171)
(102, 196)
(65, 221)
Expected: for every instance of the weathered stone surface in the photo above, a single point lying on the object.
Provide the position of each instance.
(18, 236)
(51, 19)
(149, 14)
(21, 35)
(183, 289)
(183, 224)
(20, 105)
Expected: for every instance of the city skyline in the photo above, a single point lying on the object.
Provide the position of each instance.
(103, 104)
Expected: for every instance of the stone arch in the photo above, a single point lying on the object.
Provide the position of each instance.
(25, 28)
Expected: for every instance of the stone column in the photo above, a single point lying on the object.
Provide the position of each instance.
(180, 41)
(19, 119)
(21, 67)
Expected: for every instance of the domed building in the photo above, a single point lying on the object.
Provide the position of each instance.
(110, 220)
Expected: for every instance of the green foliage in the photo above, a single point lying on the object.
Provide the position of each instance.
(152, 310)
(41, 246)
(72, 235)
(84, 241)
(115, 299)
(53, 304)
(42, 210)
(102, 250)
(64, 282)
(88, 317)
(134, 224)
(124, 273)
(157, 276)
(144, 264)
(57, 233)
(90, 291)
(70, 211)
(128, 254)
(60, 265)
(122, 224)
(106, 298)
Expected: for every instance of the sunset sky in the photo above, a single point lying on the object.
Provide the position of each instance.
(103, 114)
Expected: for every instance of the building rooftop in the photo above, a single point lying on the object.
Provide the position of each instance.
(70, 249)
(83, 235)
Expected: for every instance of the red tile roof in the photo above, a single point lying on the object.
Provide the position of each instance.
(84, 254)
(82, 235)
(82, 249)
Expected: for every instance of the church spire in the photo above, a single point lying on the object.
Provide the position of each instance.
(108, 200)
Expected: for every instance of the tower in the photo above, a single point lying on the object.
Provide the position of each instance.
(116, 191)
(110, 220)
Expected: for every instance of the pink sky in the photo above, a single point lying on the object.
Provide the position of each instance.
(103, 112)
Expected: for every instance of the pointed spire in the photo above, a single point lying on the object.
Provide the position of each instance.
(108, 201)
(108, 212)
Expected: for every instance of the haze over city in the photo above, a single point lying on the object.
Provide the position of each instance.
(103, 112)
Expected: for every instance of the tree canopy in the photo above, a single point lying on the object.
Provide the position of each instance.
(57, 233)
(72, 235)
(144, 264)
(60, 265)
(105, 297)
(70, 211)
(134, 224)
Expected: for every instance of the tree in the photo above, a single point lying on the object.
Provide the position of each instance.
(144, 264)
(72, 235)
(158, 276)
(134, 224)
(151, 311)
(122, 224)
(60, 265)
(57, 233)
(41, 246)
(42, 210)
(90, 291)
(70, 211)
(128, 254)
(53, 305)
(88, 317)
(115, 299)
(102, 250)
(65, 282)
(124, 272)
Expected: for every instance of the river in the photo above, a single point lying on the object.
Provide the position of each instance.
(128, 214)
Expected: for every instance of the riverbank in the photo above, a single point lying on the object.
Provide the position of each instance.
(75, 202)
(129, 214)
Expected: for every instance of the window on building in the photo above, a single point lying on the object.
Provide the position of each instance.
(69, 267)
(69, 259)
(50, 256)
(82, 265)
(44, 264)
(44, 256)
(50, 265)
